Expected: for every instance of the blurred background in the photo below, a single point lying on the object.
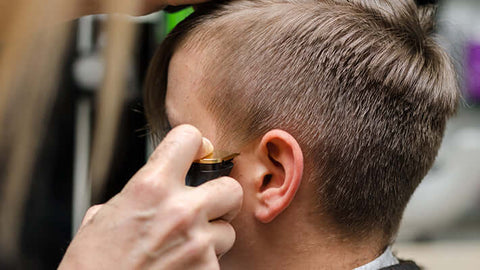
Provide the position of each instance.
(441, 228)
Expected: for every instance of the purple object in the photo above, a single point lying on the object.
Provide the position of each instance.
(472, 72)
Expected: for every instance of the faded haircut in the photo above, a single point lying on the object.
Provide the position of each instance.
(362, 85)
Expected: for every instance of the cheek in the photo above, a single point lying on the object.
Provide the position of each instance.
(240, 173)
(244, 221)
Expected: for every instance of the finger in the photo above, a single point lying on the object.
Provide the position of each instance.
(91, 212)
(206, 149)
(222, 235)
(176, 152)
(220, 198)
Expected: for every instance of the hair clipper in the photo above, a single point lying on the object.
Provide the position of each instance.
(213, 166)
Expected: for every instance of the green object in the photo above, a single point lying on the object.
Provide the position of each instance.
(172, 19)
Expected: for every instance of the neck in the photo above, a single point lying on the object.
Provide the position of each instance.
(290, 244)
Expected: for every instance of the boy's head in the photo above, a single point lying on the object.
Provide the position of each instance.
(358, 92)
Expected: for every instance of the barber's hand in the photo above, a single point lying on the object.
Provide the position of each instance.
(157, 222)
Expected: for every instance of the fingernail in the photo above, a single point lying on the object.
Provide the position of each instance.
(207, 147)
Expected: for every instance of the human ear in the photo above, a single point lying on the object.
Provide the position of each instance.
(282, 161)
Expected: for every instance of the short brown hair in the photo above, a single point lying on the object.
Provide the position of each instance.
(362, 85)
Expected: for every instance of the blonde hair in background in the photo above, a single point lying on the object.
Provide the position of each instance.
(33, 37)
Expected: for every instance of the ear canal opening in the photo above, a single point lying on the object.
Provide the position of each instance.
(266, 181)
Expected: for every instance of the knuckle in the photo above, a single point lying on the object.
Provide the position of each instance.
(183, 215)
(191, 204)
(93, 209)
(199, 203)
(195, 209)
(199, 245)
(89, 216)
(145, 185)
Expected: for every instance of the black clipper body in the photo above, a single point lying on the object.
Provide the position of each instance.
(213, 166)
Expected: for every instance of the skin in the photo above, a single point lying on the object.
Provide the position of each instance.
(277, 227)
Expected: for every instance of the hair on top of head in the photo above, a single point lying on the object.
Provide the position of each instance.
(362, 85)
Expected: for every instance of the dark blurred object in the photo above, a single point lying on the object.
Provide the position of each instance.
(426, 2)
(173, 9)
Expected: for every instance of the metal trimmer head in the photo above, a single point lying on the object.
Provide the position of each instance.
(211, 167)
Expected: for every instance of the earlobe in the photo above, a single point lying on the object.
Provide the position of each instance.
(283, 161)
